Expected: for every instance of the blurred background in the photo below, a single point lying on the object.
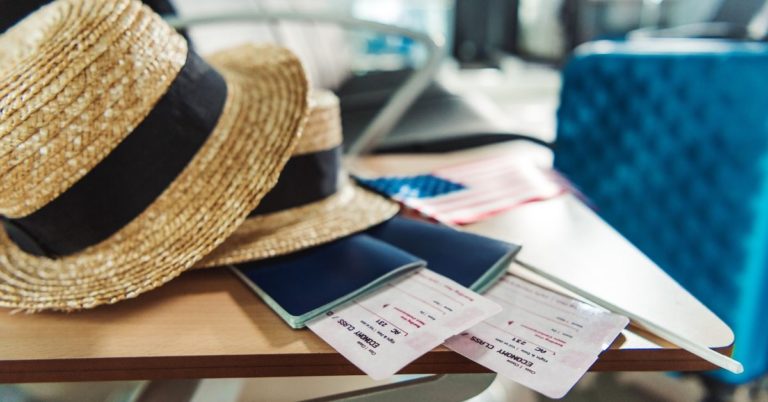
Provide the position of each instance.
(656, 110)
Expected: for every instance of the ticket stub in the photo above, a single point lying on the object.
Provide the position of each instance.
(383, 331)
(541, 339)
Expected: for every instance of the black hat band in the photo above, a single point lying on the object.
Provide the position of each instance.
(137, 171)
(305, 179)
(134, 174)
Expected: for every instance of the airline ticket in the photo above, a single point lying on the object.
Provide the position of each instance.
(541, 339)
(383, 331)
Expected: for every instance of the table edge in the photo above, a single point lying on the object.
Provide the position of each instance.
(439, 361)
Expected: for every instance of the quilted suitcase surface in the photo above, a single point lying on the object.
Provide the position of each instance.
(669, 141)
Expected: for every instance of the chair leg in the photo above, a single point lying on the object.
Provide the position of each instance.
(445, 387)
(758, 388)
(717, 391)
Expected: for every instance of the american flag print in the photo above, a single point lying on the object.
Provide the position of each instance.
(469, 192)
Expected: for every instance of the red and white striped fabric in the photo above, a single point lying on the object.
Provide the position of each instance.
(490, 186)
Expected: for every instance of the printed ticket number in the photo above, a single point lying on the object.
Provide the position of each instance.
(383, 331)
(541, 339)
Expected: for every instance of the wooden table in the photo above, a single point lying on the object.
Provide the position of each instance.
(206, 324)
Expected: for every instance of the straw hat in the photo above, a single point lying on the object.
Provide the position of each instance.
(314, 201)
(124, 157)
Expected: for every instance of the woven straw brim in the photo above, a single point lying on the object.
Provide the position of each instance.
(349, 211)
(238, 164)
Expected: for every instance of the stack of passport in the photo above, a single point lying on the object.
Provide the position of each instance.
(304, 285)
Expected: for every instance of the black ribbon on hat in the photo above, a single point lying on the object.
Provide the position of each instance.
(144, 164)
(304, 179)
(134, 174)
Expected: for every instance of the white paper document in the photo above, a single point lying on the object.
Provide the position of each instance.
(383, 331)
(541, 339)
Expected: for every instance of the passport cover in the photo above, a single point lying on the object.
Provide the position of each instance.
(303, 285)
(474, 261)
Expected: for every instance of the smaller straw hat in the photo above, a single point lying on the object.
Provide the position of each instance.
(314, 201)
(125, 157)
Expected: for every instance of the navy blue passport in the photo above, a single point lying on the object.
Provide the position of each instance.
(303, 285)
(476, 262)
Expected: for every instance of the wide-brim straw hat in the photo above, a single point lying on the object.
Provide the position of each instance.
(314, 202)
(94, 94)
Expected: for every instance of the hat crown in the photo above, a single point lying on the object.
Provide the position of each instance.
(322, 129)
(76, 77)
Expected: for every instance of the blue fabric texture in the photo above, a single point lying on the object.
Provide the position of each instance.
(670, 143)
